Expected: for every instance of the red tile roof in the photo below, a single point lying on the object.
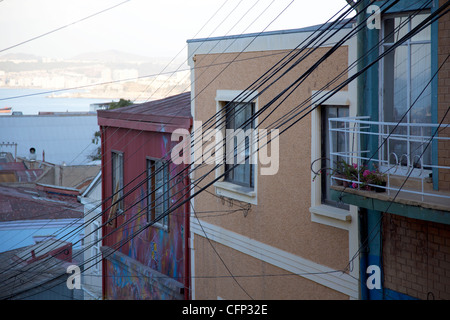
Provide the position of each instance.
(19, 203)
(171, 110)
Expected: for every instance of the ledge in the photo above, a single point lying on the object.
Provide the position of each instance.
(331, 212)
(404, 205)
(172, 289)
(331, 216)
(234, 191)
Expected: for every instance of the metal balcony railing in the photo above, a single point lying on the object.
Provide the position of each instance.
(412, 158)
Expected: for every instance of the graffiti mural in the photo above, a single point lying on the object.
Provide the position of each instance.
(146, 262)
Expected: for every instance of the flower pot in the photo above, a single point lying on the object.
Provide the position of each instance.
(380, 189)
(338, 181)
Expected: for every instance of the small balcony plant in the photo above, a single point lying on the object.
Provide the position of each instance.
(373, 180)
(354, 176)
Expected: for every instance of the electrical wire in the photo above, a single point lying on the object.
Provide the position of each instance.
(65, 26)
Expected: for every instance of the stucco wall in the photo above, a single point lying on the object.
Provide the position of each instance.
(281, 218)
(153, 247)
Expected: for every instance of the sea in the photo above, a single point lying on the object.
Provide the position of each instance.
(33, 101)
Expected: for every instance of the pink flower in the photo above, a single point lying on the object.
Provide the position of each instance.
(354, 185)
(355, 165)
(366, 173)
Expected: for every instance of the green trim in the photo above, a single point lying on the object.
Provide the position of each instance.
(403, 6)
(434, 97)
(363, 199)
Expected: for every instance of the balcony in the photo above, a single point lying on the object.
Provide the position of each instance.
(413, 160)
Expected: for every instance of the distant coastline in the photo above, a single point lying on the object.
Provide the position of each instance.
(32, 101)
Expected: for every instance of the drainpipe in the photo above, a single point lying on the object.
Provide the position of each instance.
(363, 261)
(103, 161)
(187, 250)
(360, 48)
(365, 105)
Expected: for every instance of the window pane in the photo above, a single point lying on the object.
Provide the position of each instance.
(117, 178)
(425, 34)
(159, 191)
(242, 173)
(395, 29)
(420, 76)
(407, 72)
(338, 144)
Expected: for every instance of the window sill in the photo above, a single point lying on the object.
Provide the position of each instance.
(331, 216)
(237, 192)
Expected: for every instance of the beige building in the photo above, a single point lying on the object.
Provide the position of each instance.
(270, 236)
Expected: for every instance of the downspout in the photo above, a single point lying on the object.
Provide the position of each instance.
(367, 105)
(103, 159)
(434, 94)
(187, 250)
(360, 48)
(363, 262)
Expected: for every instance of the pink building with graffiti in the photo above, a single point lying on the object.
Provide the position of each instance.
(145, 250)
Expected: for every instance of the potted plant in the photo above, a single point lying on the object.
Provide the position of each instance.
(347, 172)
(374, 178)
(342, 172)
(350, 174)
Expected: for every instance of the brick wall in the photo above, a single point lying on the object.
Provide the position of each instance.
(444, 97)
(416, 257)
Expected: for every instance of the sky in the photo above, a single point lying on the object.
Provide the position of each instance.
(145, 27)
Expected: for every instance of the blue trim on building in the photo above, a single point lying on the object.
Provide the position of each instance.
(368, 105)
(342, 24)
(404, 6)
(389, 294)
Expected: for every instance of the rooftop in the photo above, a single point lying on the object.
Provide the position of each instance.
(25, 203)
(342, 24)
(173, 110)
(17, 265)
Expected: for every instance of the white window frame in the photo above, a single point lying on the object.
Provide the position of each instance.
(151, 209)
(222, 187)
(120, 204)
(320, 212)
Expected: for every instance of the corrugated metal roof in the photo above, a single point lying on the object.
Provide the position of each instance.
(64, 138)
(169, 110)
(17, 172)
(15, 276)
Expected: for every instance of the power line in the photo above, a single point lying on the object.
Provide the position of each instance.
(122, 137)
(65, 26)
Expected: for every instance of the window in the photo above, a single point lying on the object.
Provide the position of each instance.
(334, 214)
(96, 245)
(237, 156)
(158, 192)
(117, 185)
(406, 72)
(239, 125)
(328, 112)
